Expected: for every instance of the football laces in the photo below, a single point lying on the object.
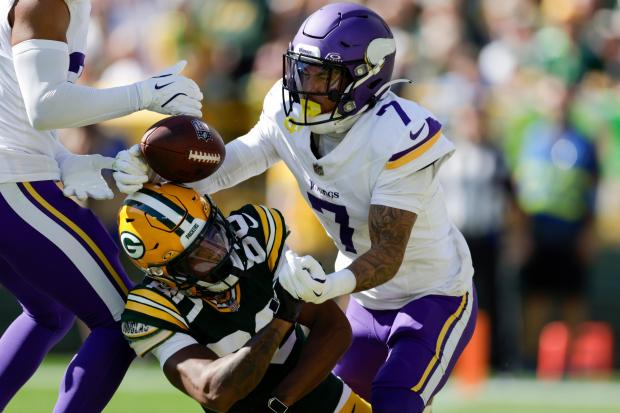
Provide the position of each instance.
(200, 156)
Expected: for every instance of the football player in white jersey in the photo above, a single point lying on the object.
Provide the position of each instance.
(55, 256)
(366, 161)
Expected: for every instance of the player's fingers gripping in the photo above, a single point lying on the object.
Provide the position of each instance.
(287, 276)
(188, 87)
(299, 282)
(313, 267)
(102, 162)
(129, 161)
(134, 150)
(183, 105)
(80, 194)
(128, 189)
(101, 193)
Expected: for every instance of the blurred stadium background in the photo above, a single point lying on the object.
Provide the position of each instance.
(499, 75)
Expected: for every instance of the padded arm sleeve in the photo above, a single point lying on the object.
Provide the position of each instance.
(246, 156)
(51, 101)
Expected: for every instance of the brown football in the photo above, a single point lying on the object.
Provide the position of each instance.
(183, 148)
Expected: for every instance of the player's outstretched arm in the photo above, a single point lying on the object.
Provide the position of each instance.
(41, 59)
(329, 338)
(217, 383)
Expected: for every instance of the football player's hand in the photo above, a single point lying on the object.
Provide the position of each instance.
(284, 306)
(170, 93)
(81, 176)
(130, 170)
(304, 278)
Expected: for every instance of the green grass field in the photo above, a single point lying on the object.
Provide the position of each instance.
(145, 390)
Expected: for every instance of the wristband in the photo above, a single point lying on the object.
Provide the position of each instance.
(275, 405)
(340, 283)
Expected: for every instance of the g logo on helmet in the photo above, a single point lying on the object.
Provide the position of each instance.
(132, 245)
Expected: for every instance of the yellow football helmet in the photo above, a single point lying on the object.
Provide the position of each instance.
(178, 237)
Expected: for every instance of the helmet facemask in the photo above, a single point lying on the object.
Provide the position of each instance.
(307, 78)
(205, 267)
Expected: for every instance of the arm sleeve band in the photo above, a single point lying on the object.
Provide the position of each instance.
(51, 101)
(175, 343)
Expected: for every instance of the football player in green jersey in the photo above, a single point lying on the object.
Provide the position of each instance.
(212, 311)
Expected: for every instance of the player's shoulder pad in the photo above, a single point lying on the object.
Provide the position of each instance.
(154, 307)
(414, 135)
(269, 229)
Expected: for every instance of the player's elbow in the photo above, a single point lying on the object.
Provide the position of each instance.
(216, 401)
(216, 396)
(217, 404)
(40, 117)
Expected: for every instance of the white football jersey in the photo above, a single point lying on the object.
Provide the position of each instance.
(25, 153)
(389, 157)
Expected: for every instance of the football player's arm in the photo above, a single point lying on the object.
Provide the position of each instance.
(217, 383)
(407, 190)
(329, 329)
(41, 61)
(390, 229)
(246, 156)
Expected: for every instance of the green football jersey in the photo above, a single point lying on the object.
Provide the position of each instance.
(154, 312)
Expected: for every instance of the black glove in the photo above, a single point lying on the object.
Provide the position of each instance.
(283, 305)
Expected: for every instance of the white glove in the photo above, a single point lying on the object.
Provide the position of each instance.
(305, 279)
(131, 170)
(170, 93)
(81, 176)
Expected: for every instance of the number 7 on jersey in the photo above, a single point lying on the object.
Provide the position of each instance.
(341, 218)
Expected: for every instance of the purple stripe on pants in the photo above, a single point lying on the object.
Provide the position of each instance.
(394, 358)
(72, 217)
(59, 261)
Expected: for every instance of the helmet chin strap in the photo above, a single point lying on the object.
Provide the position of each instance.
(343, 125)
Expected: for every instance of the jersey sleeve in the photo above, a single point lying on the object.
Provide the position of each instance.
(271, 231)
(419, 144)
(409, 176)
(248, 155)
(409, 191)
(150, 319)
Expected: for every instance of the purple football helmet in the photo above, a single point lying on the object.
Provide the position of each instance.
(354, 49)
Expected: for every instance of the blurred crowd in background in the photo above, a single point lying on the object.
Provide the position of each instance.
(529, 91)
